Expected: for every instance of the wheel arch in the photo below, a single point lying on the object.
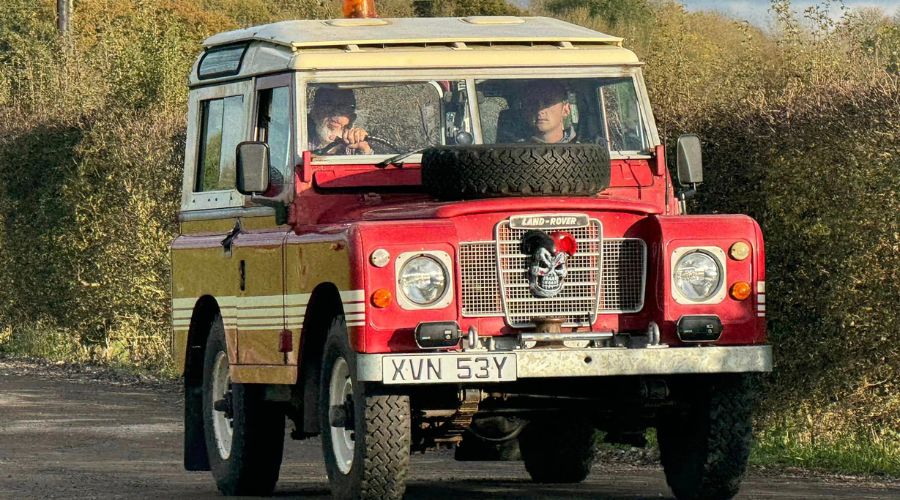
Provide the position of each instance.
(324, 305)
(205, 312)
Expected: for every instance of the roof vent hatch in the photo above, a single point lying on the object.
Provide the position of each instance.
(493, 20)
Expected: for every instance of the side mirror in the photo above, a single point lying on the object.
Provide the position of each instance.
(252, 169)
(690, 160)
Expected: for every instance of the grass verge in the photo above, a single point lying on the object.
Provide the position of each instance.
(870, 455)
(44, 342)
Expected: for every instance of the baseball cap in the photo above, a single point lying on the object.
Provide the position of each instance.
(340, 101)
(542, 93)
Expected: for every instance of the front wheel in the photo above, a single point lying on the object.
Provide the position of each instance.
(244, 433)
(365, 436)
(705, 443)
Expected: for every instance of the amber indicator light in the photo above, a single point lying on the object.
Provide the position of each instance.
(740, 290)
(381, 298)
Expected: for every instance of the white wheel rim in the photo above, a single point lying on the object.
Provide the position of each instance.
(222, 425)
(339, 388)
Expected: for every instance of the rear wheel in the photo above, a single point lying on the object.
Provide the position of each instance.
(244, 433)
(705, 443)
(365, 436)
(558, 450)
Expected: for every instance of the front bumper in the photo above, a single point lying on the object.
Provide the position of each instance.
(547, 363)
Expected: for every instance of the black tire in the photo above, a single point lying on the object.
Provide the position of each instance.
(705, 443)
(380, 427)
(558, 450)
(253, 459)
(497, 170)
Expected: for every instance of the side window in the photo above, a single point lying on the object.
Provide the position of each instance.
(625, 127)
(274, 128)
(222, 122)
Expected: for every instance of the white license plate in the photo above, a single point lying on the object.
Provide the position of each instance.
(432, 368)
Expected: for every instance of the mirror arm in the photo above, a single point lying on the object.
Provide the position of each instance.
(685, 195)
(688, 193)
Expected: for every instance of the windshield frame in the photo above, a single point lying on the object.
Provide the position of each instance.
(469, 76)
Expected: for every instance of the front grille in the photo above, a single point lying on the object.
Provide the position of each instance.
(622, 281)
(576, 302)
(624, 271)
(480, 289)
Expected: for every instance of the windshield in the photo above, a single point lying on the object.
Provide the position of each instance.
(584, 110)
(386, 118)
(400, 118)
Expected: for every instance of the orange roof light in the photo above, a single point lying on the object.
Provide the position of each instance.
(740, 290)
(359, 8)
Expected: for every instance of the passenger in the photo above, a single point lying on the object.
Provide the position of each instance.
(547, 107)
(331, 118)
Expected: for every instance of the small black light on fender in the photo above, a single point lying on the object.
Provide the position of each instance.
(699, 328)
(438, 334)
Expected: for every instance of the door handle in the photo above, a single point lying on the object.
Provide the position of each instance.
(228, 242)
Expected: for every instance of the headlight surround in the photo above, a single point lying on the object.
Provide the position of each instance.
(698, 275)
(423, 280)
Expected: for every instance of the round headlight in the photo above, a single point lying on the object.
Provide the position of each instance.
(423, 280)
(697, 276)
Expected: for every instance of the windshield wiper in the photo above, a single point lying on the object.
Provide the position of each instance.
(397, 160)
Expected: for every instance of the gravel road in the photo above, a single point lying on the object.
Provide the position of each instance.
(84, 433)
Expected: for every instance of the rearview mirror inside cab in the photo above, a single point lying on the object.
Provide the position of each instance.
(690, 160)
(252, 167)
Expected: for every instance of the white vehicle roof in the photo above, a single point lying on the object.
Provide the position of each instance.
(414, 44)
(396, 31)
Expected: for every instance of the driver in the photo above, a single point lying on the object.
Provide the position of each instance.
(546, 107)
(331, 118)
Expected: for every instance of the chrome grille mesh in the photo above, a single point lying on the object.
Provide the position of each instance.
(480, 290)
(622, 279)
(624, 271)
(576, 302)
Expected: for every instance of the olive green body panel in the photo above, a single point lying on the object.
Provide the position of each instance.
(262, 287)
(260, 310)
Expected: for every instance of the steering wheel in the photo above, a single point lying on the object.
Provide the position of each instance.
(369, 138)
(384, 142)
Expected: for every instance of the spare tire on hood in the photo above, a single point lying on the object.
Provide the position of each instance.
(497, 170)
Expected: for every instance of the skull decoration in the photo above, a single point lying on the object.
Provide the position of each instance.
(547, 255)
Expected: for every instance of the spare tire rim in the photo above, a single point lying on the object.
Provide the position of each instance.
(339, 388)
(222, 424)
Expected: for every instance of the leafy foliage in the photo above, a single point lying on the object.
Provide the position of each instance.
(449, 8)
(91, 145)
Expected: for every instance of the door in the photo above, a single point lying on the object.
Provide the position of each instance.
(259, 248)
(218, 119)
